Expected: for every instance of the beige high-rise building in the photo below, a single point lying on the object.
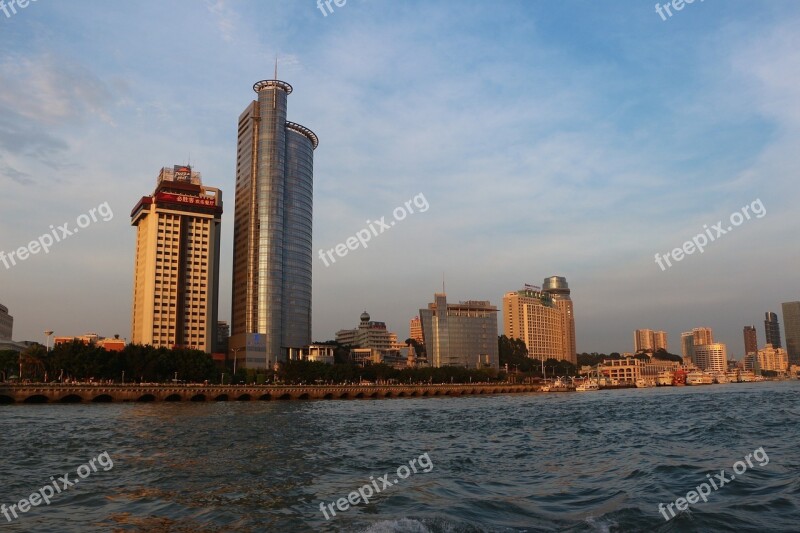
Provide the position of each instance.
(531, 315)
(643, 340)
(711, 356)
(649, 340)
(176, 275)
(703, 336)
(659, 341)
(415, 330)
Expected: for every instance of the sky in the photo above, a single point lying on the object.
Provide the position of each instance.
(566, 137)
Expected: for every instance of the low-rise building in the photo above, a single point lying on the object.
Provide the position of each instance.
(621, 371)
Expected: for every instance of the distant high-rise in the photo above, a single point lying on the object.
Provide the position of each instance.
(271, 303)
(531, 315)
(703, 336)
(659, 341)
(463, 334)
(772, 328)
(750, 340)
(6, 324)
(643, 340)
(558, 289)
(791, 325)
(687, 345)
(415, 330)
(647, 340)
(711, 356)
(223, 334)
(176, 276)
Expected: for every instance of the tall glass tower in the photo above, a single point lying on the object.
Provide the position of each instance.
(773, 329)
(271, 305)
(558, 289)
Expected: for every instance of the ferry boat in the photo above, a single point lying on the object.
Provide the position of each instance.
(720, 377)
(588, 385)
(643, 383)
(664, 379)
(699, 378)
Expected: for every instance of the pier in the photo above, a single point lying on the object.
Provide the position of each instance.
(101, 393)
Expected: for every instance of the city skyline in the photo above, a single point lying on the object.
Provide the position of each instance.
(177, 110)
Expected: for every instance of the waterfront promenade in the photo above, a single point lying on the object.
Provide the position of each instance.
(102, 393)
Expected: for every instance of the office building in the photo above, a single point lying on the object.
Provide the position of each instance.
(791, 325)
(558, 289)
(6, 324)
(750, 340)
(176, 274)
(531, 315)
(711, 357)
(463, 334)
(772, 328)
(271, 301)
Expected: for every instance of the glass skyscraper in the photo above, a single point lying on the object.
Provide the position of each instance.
(271, 305)
(773, 329)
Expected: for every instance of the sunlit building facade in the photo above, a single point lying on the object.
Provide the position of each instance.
(176, 273)
(531, 315)
(711, 357)
(271, 301)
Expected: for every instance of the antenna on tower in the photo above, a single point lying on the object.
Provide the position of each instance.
(276, 66)
(443, 291)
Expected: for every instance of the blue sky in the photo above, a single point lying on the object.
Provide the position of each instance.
(549, 138)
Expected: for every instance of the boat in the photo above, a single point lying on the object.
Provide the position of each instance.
(720, 377)
(588, 385)
(664, 379)
(643, 383)
(697, 377)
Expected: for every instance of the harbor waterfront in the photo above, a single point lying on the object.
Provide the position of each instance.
(601, 461)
